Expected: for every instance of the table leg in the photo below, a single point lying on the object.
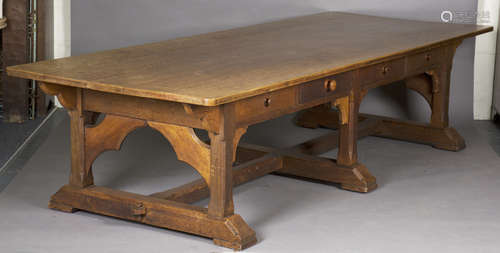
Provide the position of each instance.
(434, 86)
(213, 162)
(89, 142)
(440, 109)
(347, 152)
(222, 155)
(345, 170)
(80, 176)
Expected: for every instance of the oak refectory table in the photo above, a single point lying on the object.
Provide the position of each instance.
(223, 82)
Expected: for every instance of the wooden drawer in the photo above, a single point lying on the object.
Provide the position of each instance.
(387, 71)
(267, 103)
(422, 61)
(325, 87)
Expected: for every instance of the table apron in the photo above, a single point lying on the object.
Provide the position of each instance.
(276, 103)
(201, 117)
(312, 93)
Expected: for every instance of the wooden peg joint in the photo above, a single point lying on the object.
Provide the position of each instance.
(139, 210)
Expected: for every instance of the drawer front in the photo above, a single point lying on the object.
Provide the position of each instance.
(422, 61)
(325, 87)
(387, 71)
(267, 103)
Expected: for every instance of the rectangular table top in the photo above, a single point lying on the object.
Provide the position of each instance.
(226, 66)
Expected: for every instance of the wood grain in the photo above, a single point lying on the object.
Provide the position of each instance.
(198, 189)
(152, 109)
(108, 135)
(354, 177)
(424, 133)
(222, 149)
(188, 147)
(230, 232)
(422, 84)
(65, 94)
(221, 67)
(81, 175)
(446, 138)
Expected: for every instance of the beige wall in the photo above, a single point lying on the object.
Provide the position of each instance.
(484, 65)
(62, 28)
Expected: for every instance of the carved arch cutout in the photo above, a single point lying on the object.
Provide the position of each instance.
(236, 140)
(188, 147)
(362, 95)
(65, 94)
(112, 131)
(423, 84)
(108, 135)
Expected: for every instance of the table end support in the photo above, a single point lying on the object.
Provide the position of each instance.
(56, 205)
(454, 141)
(230, 231)
(361, 180)
(245, 235)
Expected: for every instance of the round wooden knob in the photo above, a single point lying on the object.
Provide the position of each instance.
(267, 102)
(330, 85)
(428, 57)
(386, 70)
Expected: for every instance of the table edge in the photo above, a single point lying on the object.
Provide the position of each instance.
(12, 71)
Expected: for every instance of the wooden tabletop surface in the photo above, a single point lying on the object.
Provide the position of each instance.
(221, 67)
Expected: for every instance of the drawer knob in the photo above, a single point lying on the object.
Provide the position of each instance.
(330, 85)
(386, 70)
(428, 57)
(267, 102)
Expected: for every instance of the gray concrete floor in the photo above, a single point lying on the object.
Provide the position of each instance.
(12, 135)
(428, 200)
